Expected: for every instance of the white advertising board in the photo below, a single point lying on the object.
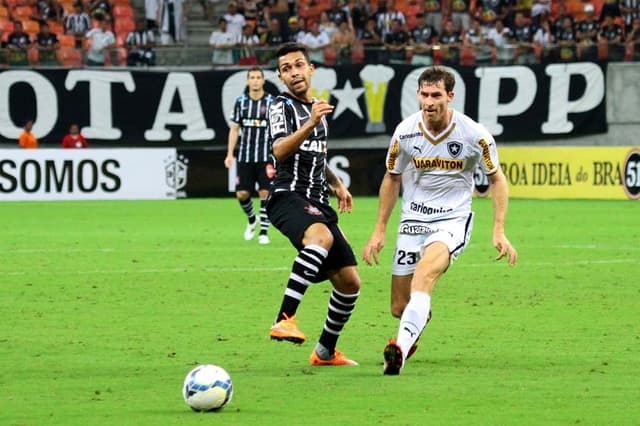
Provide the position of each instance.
(88, 174)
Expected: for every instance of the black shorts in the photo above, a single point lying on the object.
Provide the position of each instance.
(250, 173)
(292, 214)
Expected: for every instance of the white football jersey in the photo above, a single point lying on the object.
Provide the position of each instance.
(438, 169)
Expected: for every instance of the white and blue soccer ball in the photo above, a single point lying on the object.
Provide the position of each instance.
(207, 388)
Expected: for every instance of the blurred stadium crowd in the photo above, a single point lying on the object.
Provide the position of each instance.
(75, 33)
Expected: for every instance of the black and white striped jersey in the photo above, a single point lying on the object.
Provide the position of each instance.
(304, 171)
(139, 38)
(77, 23)
(254, 145)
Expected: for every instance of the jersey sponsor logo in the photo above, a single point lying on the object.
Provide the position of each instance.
(254, 122)
(276, 118)
(415, 229)
(454, 148)
(486, 154)
(410, 136)
(313, 210)
(632, 174)
(314, 146)
(427, 210)
(438, 163)
(393, 155)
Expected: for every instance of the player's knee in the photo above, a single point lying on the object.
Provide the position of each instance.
(318, 234)
(351, 285)
(243, 195)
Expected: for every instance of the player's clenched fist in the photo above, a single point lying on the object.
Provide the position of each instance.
(319, 109)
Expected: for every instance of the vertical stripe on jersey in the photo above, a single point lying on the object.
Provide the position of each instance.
(313, 168)
(296, 164)
(254, 143)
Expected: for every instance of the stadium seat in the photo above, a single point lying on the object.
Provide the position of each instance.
(121, 3)
(122, 11)
(69, 57)
(33, 56)
(55, 27)
(436, 52)
(31, 27)
(467, 56)
(22, 13)
(357, 55)
(120, 39)
(538, 50)
(6, 27)
(408, 54)
(603, 51)
(413, 9)
(11, 4)
(68, 8)
(125, 25)
(67, 40)
(4, 12)
(323, 5)
(249, 60)
(402, 6)
(412, 22)
(330, 56)
(628, 52)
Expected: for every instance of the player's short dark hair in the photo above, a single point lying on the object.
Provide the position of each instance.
(250, 70)
(435, 74)
(290, 47)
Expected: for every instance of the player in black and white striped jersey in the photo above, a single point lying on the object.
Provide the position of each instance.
(298, 205)
(250, 125)
(77, 24)
(140, 43)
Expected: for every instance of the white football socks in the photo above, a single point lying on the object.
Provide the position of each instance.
(413, 320)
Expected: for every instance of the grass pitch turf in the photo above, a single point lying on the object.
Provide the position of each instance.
(105, 306)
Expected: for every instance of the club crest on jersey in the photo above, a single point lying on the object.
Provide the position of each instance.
(312, 210)
(454, 148)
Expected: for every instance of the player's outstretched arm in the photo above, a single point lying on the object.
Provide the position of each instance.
(500, 197)
(389, 193)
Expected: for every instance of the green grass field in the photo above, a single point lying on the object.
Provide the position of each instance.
(105, 306)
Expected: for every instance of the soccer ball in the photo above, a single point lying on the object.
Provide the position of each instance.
(207, 388)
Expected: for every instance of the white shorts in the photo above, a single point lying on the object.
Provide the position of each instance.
(414, 237)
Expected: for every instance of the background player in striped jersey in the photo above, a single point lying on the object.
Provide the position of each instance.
(433, 154)
(298, 206)
(250, 124)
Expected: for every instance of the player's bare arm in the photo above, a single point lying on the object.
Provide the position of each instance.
(231, 144)
(345, 200)
(284, 147)
(389, 193)
(500, 197)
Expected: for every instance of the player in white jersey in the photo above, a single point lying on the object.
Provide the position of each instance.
(432, 155)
